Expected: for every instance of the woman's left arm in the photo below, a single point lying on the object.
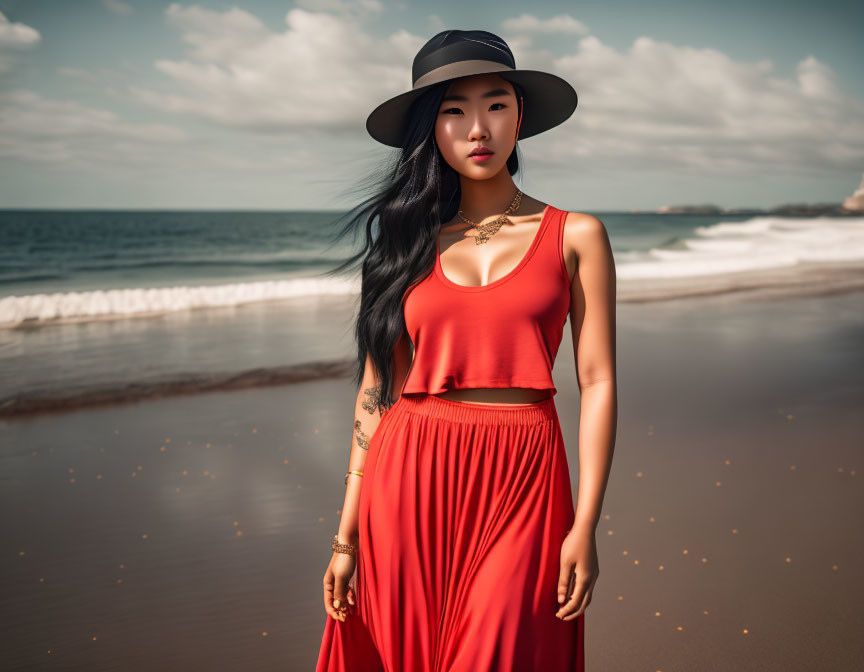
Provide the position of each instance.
(588, 257)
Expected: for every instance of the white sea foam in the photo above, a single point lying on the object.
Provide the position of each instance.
(757, 244)
(101, 304)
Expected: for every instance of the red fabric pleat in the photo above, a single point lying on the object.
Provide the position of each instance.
(463, 509)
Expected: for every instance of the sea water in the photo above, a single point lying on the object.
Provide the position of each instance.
(126, 303)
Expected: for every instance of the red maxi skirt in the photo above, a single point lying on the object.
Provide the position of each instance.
(463, 509)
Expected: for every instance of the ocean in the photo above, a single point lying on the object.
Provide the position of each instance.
(118, 305)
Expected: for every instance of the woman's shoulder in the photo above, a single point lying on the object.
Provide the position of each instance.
(575, 219)
(581, 225)
(584, 235)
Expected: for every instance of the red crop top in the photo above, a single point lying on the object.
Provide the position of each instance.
(504, 334)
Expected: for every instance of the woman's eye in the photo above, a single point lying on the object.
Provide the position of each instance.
(456, 109)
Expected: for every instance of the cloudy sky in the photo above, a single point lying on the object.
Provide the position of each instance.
(261, 104)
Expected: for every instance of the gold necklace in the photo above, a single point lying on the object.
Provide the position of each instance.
(486, 231)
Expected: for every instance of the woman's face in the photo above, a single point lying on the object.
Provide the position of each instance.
(477, 110)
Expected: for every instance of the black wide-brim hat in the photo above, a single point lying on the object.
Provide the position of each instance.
(549, 100)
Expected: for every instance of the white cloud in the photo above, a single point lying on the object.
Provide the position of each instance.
(655, 106)
(42, 130)
(341, 6)
(117, 7)
(563, 24)
(103, 77)
(321, 72)
(435, 24)
(15, 37)
(817, 80)
(661, 105)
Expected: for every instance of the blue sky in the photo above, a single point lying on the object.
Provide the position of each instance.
(261, 105)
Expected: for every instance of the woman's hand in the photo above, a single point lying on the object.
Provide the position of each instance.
(579, 571)
(337, 593)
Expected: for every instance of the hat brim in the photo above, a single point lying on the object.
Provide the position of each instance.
(549, 101)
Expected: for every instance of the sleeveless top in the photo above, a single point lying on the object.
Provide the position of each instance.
(504, 334)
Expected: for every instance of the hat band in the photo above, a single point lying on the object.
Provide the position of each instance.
(459, 69)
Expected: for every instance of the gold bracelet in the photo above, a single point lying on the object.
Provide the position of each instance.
(353, 471)
(350, 549)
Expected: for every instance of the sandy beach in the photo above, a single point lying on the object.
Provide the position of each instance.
(192, 532)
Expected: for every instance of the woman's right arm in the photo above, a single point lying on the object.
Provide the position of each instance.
(366, 421)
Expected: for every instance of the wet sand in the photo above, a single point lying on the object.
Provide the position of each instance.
(192, 532)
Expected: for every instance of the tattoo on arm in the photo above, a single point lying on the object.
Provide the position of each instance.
(373, 401)
(362, 439)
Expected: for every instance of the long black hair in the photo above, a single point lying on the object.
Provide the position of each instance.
(411, 196)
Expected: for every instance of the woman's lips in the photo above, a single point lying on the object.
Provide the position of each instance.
(481, 157)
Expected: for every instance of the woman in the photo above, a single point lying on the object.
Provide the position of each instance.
(458, 512)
